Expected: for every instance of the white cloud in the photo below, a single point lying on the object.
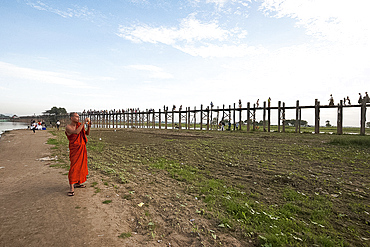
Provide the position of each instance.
(40, 76)
(192, 37)
(303, 72)
(332, 20)
(219, 3)
(74, 11)
(190, 30)
(154, 71)
(223, 50)
(222, 3)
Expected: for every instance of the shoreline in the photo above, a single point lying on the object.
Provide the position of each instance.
(9, 126)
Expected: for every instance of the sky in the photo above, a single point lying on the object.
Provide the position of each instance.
(119, 54)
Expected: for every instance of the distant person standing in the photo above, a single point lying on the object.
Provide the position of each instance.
(76, 135)
(360, 98)
(58, 124)
(367, 98)
(33, 126)
(331, 100)
(348, 100)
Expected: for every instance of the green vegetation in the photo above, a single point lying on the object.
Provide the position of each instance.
(361, 141)
(278, 189)
(297, 219)
(60, 146)
(125, 235)
(54, 113)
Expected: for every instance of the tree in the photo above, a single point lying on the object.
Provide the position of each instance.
(368, 124)
(55, 112)
(327, 123)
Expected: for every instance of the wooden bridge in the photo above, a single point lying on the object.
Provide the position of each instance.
(209, 118)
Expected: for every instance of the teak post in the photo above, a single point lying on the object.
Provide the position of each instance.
(269, 118)
(279, 115)
(173, 119)
(264, 116)
(201, 117)
(283, 116)
(179, 119)
(211, 116)
(229, 118)
(153, 118)
(207, 118)
(189, 118)
(159, 119)
(317, 116)
(147, 119)
(248, 116)
(234, 117)
(240, 119)
(195, 117)
(340, 118)
(254, 116)
(218, 118)
(363, 117)
(165, 119)
(297, 120)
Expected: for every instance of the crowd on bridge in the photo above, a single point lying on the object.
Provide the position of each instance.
(346, 101)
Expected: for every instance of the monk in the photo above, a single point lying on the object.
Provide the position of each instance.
(76, 135)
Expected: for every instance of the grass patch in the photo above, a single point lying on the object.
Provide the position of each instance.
(60, 149)
(277, 189)
(360, 141)
(293, 222)
(125, 235)
(107, 201)
(52, 141)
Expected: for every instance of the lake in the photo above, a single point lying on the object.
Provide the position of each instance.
(6, 126)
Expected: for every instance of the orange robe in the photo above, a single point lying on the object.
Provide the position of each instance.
(78, 157)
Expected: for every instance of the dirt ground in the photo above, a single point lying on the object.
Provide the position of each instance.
(36, 211)
(262, 166)
(34, 207)
(127, 202)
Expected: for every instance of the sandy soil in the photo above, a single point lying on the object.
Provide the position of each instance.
(36, 211)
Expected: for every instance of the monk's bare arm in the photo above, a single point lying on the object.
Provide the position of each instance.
(70, 129)
(88, 128)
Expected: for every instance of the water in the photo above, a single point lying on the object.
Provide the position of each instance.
(6, 126)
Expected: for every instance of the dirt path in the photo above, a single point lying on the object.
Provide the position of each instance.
(35, 209)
